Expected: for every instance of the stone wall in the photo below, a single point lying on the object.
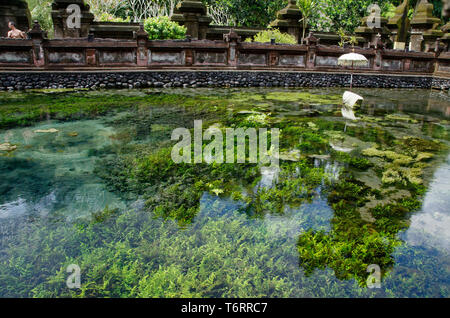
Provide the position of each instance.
(26, 64)
(166, 79)
(309, 64)
(229, 53)
(440, 83)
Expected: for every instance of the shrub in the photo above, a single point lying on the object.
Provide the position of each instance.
(268, 35)
(162, 28)
(106, 17)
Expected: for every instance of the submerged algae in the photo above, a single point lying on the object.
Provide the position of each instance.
(220, 244)
(404, 164)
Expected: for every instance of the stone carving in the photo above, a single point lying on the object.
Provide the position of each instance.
(288, 20)
(446, 28)
(399, 26)
(192, 14)
(370, 30)
(424, 28)
(68, 21)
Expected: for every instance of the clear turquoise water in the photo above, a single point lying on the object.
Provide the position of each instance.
(49, 183)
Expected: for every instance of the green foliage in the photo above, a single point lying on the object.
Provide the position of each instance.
(268, 35)
(309, 9)
(347, 14)
(107, 17)
(348, 258)
(41, 11)
(357, 162)
(296, 184)
(135, 255)
(353, 244)
(346, 39)
(109, 10)
(162, 28)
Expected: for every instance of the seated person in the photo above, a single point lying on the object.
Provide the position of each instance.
(15, 33)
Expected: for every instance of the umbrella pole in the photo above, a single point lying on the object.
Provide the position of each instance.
(351, 81)
(351, 78)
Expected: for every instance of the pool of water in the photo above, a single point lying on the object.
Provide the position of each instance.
(87, 179)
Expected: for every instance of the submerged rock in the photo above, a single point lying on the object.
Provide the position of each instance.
(46, 131)
(293, 155)
(341, 149)
(320, 157)
(7, 147)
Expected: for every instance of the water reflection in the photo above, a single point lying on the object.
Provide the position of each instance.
(431, 226)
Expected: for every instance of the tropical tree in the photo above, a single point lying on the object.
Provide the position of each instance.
(308, 9)
(346, 39)
(40, 11)
(347, 14)
(103, 8)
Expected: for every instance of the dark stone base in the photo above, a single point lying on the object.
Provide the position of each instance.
(143, 79)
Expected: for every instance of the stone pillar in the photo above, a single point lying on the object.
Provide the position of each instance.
(407, 64)
(424, 31)
(372, 26)
(311, 42)
(71, 18)
(37, 35)
(188, 57)
(16, 11)
(288, 20)
(399, 26)
(192, 14)
(91, 57)
(233, 39)
(274, 57)
(379, 48)
(142, 52)
(446, 8)
(446, 28)
(203, 25)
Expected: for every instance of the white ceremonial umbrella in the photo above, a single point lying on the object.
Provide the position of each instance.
(352, 59)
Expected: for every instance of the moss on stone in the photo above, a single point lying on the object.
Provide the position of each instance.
(400, 117)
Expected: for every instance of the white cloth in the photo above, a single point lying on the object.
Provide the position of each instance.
(350, 100)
